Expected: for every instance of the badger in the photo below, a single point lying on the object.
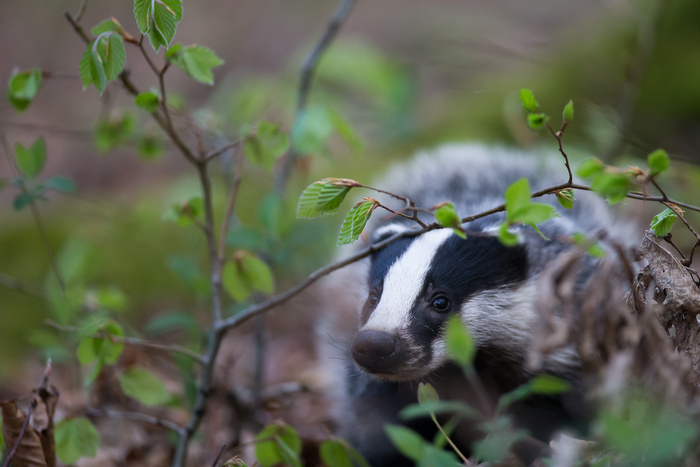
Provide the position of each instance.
(386, 316)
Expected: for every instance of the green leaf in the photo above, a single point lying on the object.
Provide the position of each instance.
(110, 133)
(658, 161)
(566, 198)
(112, 298)
(92, 65)
(23, 87)
(196, 61)
(158, 20)
(323, 197)
(143, 386)
(245, 274)
(116, 56)
(76, 438)
(612, 184)
(528, 100)
(31, 160)
(592, 249)
(333, 454)
(272, 452)
(520, 209)
(185, 214)
(568, 113)
(496, 446)
(22, 200)
(427, 394)
(427, 408)
(517, 197)
(507, 237)
(148, 101)
(436, 457)
(149, 148)
(106, 26)
(265, 144)
(446, 215)
(62, 184)
(355, 222)
(312, 130)
(662, 223)
(590, 168)
(460, 344)
(343, 128)
(536, 121)
(408, 442)
(550, 385)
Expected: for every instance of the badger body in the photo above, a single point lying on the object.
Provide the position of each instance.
(391, 330)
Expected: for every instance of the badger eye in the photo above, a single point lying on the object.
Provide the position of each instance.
(373, 299)
(441, 304)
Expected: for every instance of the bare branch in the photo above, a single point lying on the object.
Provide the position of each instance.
(135, 416)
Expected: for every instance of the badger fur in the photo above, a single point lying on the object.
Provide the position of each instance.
(386, 315)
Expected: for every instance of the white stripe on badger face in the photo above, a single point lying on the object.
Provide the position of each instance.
(404, 282)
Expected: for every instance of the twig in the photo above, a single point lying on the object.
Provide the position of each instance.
(134, 341)
(558, 135)
(138, 416)
(679, 213)
(459, 453)
(42, 386)
(217, 152)
(81, 11)
(218, 455)
(24, 287)
(230, 207)
(308, 69)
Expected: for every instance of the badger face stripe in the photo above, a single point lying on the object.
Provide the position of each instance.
(404, 282)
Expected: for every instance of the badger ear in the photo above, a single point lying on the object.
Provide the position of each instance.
(387, 231)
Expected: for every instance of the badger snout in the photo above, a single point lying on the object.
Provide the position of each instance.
(377, 351)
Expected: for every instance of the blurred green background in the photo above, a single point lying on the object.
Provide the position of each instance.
(406, 74)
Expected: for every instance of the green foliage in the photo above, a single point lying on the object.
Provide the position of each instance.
(338, 453)
(460, 344)
(148, 101)
(264, 144)
(610, 182)
(323, 197)
(144, 386)
(112, 298)
(158, 20)
(108, 25)
(278, 444)
(195, 60)
(245, 274)
(149, 148)
(115, 131)
(99, 350)
(566, 198)
(408, 442)
(447, 216)
(568, 113)
(76, 438)
(592, 247)
(437, 407)
(498, 441)
(103, 60)
(314, 127)
(520, 210)
(185, 214)
(537, 121)
(539, 385)
(355, 221)
(528, 100)
(427, 393)
(663, 222)
(23, 87)
(658, 161)
(31, 160)
(60, 183)
(590, 168)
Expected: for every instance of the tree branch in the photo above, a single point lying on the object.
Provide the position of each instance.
(135, 416)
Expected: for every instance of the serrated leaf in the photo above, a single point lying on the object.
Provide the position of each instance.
(105, 26)
(143, 386)
(31, 160)
(23, 87)
(355, 222)
(663, 222)
(60, 183)
(568, 113)
(658, 161)
(196, 61)
(75, 438)
(459, 342)
(408, 442)
(115, 56)
(536, 121)
(322, 197)
(520, 209)
(566, 198)
(528, 100)
(158, 20)
(148, 101)
(271, 452)
(142, 12)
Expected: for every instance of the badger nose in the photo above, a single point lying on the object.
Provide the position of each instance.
(377, 351)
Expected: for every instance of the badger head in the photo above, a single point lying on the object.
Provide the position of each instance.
(416, 283)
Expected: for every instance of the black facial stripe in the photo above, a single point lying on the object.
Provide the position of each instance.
(460, 269)
(381, 262)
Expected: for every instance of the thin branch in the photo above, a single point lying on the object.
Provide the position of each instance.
(135, 416)
(308, 69)
(218, 455)
(21, 286)
(679, 213)
(558, 135)
(217, 152)
(230, 208)
(459, 453)
(42, 386)
(81, 11)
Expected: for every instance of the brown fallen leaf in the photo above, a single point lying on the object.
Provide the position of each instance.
(29, 452)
